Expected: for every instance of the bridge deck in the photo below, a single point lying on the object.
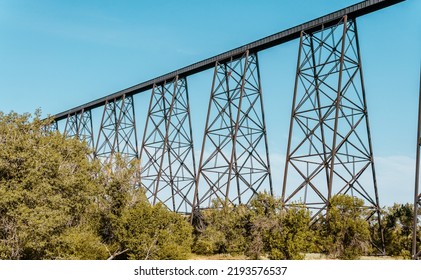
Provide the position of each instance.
(353, 11)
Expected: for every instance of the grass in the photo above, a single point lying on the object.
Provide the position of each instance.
(310, 256)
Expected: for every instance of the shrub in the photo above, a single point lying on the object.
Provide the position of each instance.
(154, 232)
(225, 231)
(344, 232)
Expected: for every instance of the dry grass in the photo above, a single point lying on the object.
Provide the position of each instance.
(218, 257)
(312, 256)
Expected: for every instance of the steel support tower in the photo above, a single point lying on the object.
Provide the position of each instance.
(167, 156)
(234, 162)
(79, 125)
(329, 148)
(117, 132)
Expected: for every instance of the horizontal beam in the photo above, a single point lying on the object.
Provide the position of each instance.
(353, 11)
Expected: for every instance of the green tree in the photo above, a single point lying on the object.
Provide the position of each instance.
(225, 230)
(262, 229)
(398, 228)
(343, 232)
(154, 232)
(47, 188)
(276, 232)
(56, 203)
(129, 226)
(118, 194)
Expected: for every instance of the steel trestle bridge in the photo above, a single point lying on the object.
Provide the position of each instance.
(329, 148)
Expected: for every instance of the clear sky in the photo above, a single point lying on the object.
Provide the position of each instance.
(56, 55)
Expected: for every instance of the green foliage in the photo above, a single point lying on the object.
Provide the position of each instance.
(56, 203)
(398, 228)
(117, 195)
(153, 232)
(130, 227)
(78, 243)
(279, 233)
(225, 231)
(262, 230)
(344, 232)
(47, 186)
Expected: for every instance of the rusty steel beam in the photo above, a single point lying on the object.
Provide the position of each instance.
(326, 21)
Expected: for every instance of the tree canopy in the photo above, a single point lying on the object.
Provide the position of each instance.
(47, 187)
(57, 203)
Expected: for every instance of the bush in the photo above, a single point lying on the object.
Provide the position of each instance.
(398, 228)
(225, 232)
(276, 232)
(344, 233)
(153, 232)
(78, 243)
(47, 187)
(261, 230)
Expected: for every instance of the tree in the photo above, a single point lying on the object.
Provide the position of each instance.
(154, 232)
(262, 229)
(47, 190)
(398, 228)
(130, 227)
(277, 232)
(57, 203)
(225, 230)
(119, 193)
(343, 232)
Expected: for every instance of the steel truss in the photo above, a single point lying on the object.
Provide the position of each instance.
(329, 148)
(79, 125)
(117, 133)
(234, 161)
(416, 240)
(167, 156)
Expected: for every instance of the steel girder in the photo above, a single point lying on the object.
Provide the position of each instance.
(329, 148)
(167, 156)
(117, 132)
(79, 125)
(234, 161)
(416, 239)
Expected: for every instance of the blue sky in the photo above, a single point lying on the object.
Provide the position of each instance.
(56, 55)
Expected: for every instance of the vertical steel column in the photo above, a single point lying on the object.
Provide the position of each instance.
(167, 156)
(71, 127)
(329, 147)
(80, 125)
(234, 161)
(416, 248)
(118, 130)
